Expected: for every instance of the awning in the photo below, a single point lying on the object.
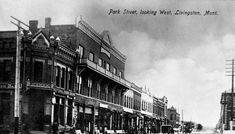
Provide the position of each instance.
(111, 107)
(87, 101)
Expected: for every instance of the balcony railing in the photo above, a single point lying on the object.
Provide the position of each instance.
(40, 85)
(105, 72)
(8, 85)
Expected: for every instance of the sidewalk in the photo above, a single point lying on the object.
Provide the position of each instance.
(229, 132)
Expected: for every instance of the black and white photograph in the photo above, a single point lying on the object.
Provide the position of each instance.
(117, 67)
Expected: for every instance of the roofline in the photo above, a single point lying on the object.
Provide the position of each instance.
(96, 34)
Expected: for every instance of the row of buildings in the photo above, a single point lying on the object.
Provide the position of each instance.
(73, 77)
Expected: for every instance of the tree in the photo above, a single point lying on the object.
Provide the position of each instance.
(188, 126)
(199, 127)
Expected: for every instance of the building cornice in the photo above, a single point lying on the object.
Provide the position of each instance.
(82, 25)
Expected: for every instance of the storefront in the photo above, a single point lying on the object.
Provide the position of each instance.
(85, 114)
(6, 110)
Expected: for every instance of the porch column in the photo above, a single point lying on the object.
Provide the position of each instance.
(83, 119)
(111, 120)
(65, 111)
(53, 101)
(93, 117)
(73, 112)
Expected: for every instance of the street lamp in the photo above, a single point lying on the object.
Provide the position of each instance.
(54, 44)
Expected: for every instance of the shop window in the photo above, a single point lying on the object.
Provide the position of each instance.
(59, 110)
(4, 108)
(38, 71)
(70, 109)
(62, 110)
(91, 56)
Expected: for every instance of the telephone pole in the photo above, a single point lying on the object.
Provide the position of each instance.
(231, 73)
(17, 73)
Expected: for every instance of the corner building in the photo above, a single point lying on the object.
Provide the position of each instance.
(78, 83)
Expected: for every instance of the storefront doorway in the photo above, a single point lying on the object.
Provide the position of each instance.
(6, 109)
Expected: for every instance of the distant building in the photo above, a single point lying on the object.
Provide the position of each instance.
(173, 117)
(225, 113)
(158, 113)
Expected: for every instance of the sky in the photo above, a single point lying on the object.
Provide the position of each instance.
(178, 56)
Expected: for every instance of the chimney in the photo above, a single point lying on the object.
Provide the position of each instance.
(33, 26)
(47, 22)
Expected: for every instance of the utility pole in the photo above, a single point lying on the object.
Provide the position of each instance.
(17, 73)
(232, 93)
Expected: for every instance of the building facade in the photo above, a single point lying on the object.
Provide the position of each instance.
(72, 77)
(173, 117)
(159, 111)
(78, 81)
(146, 110)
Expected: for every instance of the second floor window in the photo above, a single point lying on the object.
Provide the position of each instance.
(63, 77)
(70, 79)
(120, 74)
(114, 70)
(5, 70)
(98, 90)
(38, 71)
(57, 76)
(107, 66)
(91, 56)
(89, 86)
(79, 83)
(100, 62)
(81, 50)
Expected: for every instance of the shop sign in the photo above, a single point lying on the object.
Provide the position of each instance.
(103, 105)
(4, 85)
(127, 110)
(88, 110)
